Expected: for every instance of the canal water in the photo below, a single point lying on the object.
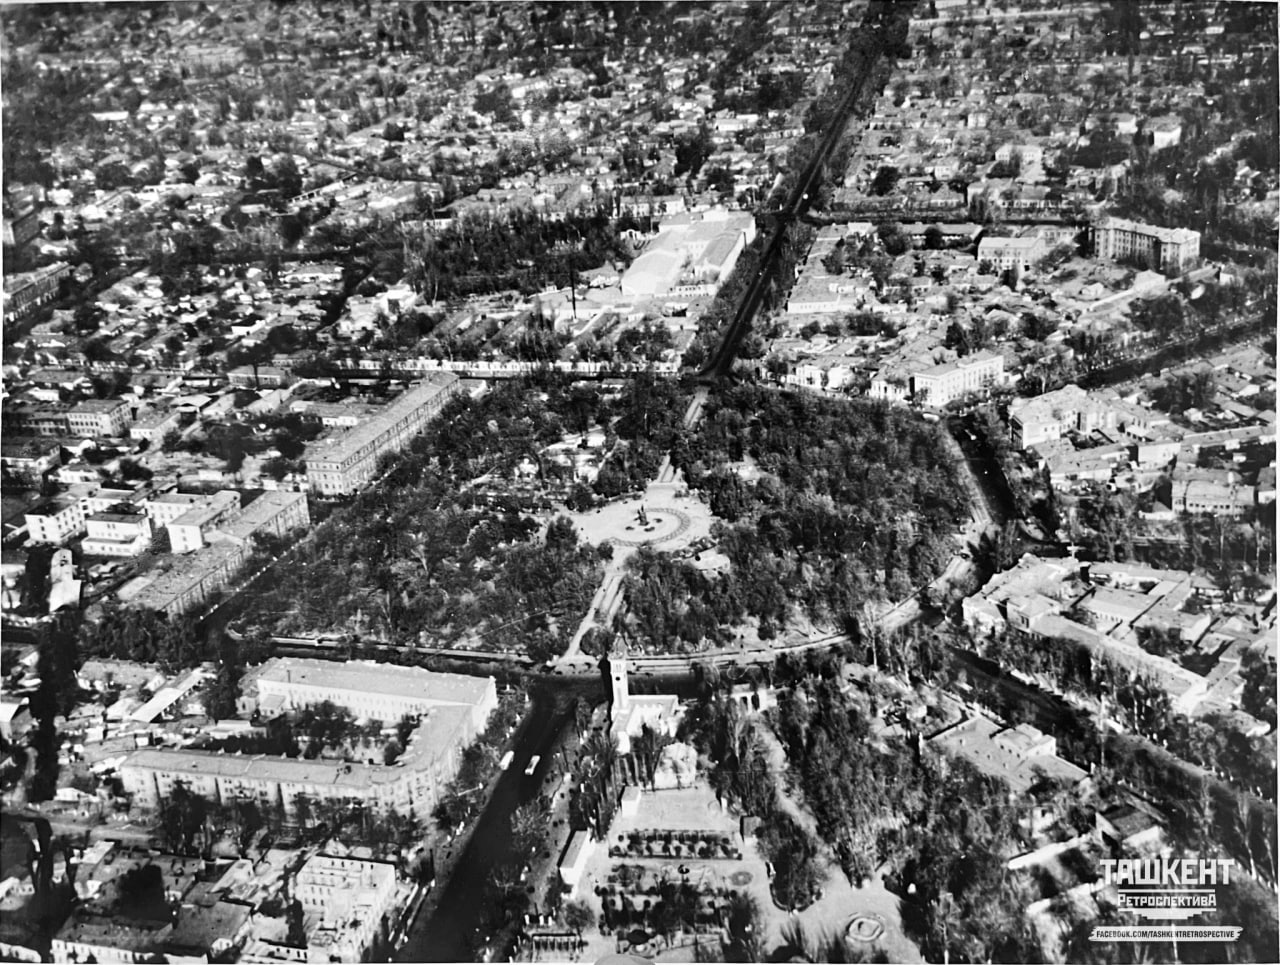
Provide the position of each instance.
(445, 936)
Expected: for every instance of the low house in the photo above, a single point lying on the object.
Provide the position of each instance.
(1131, 827)
(574, 860)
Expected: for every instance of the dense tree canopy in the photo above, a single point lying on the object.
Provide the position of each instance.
(524, 252)
(823, 505)
(433, 552)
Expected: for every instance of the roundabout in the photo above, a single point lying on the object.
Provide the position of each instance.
(661, 525)
(865, 928)
(632, 523)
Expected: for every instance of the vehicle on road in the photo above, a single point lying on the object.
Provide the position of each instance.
(533, 765)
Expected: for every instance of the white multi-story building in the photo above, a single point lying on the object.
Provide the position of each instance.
(340, 465)
(1012, 254)
(116, 534)
(153, 426)
(941, 384)
(190, 579)
(1071, 409)
(1212, 497)
(164, 508)
(187, 531)
(1030, 155)
(1045, 417)
(707, 243)
(97, 418)
(55, 520)
(1173, 250)
(374, 690)
(344, 901)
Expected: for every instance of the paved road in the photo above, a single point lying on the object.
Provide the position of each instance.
(721, 362)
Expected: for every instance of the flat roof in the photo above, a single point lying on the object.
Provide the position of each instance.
(54, 505)
(433, 739)
(159, 590)
(339, 448)
(261, 511)
(198, 515)
(116, 518)
(1154, 231)
(164, 698)
(1028, 242)
(187, 499)
(576, 849)
(378, 678)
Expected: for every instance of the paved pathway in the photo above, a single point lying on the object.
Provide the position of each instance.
(657, 501)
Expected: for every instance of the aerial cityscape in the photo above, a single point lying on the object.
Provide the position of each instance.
(712, 481)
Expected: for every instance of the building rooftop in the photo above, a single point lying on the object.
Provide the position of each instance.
(98, 405)
(1129, 820)
(199, 926)
(212, 507)
(969, 361)
(339, 448)
(131, 518)
(1130, 572)
(1020, 756)
(1048, 407)
(1123, 606)
(54, 505)
(261, 511)
(377, 678)
(579, 843)
(434, 737)
(125, 935)
(1178, 235)
(157, 590)
(1028, 243)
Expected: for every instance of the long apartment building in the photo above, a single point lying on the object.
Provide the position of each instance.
(371, 690)
(342, 464)
(451, 710)
(89, 419)
(190, 579)
(1174, 250)
(26, 292)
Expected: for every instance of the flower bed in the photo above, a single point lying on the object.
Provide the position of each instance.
(703, 845)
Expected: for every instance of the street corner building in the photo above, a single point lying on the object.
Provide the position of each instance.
(451, 709)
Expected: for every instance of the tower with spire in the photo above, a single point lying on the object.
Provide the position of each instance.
(619, 692)
(630, 714)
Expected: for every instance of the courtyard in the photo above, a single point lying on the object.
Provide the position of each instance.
(662, 878)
